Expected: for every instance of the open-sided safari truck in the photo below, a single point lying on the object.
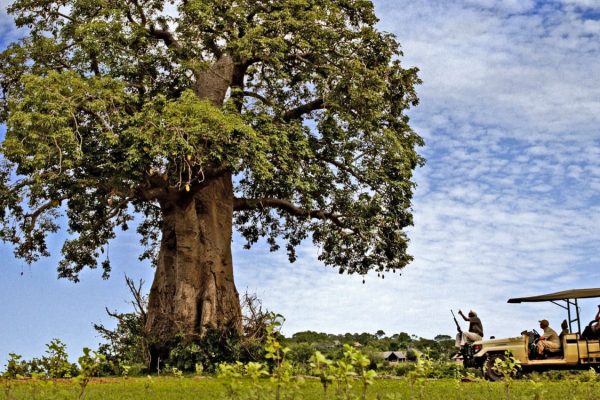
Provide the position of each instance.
(575, 352)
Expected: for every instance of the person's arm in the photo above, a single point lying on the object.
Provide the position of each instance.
(597, 317)
(467, 319)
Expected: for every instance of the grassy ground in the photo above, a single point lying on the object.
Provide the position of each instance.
(167, 388)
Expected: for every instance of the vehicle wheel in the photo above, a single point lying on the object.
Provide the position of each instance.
(488, 367)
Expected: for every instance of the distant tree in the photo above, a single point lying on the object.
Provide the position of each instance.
(380, 334)
(440, 338)
(285, 118)
(312, 337)
(404, 338)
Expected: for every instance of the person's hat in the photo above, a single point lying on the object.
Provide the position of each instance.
(544, 322)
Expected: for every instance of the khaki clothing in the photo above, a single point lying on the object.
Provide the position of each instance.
(551, 336)
(466, 337)
(475, 326)
(551, 342)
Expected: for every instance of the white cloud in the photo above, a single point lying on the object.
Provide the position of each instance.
(508, 202)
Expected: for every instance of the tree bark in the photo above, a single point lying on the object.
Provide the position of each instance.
(193, 289)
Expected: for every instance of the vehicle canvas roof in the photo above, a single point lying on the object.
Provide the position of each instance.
(564, 295)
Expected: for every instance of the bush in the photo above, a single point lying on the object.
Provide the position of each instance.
(301, 353)
(126, 345)
(216, 347)
(15, 367)
(402, 369)
(56, 364)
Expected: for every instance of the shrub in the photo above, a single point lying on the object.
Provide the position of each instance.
(56, 363)
(402, 369)
(125, 345)
(301, 353)
(217, 346)
(15, 367)
(90, 365)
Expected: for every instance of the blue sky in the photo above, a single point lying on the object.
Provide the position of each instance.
(507, 205)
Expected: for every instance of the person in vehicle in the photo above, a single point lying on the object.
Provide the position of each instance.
(565, 328)
(475, 332)
(592, 331)
(549, 341)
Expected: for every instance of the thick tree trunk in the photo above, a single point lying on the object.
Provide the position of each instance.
(193, 289)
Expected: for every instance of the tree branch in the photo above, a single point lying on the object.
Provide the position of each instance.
(258, 97)
(164, 35)
(298, 112)
(342, 167)
(139, 302)
(115, 211)
(244, 204)
(33, 216)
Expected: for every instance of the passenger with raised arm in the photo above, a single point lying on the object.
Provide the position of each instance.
(475, 332)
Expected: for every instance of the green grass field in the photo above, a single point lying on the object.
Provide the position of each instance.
(167, 388)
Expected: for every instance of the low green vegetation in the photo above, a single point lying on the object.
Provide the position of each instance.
(277, 377)
(265, 365)
(245, 388)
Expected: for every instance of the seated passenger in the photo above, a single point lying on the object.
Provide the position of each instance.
(549, 341)
(592, 331)
(565, 328)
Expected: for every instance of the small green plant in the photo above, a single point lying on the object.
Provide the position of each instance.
(344, 372)
(418, 376)
(56, 363)
(199, 369)
(125, 370)
(589, 378)
(176, 372)
(538, 388)
(282, 370)
(255, 371)
(507, 367)
(321, 367)
(148, 383)
(231, 374)
(89, 364)
(367, 377)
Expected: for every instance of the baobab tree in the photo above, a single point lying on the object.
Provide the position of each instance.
(285, 119)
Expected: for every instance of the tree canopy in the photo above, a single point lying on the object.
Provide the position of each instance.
(109, 105)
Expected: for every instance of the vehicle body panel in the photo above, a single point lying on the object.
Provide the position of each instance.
(576, 352)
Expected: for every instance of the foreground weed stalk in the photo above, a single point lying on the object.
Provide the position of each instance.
(255, 371)
(282, 371)
(418, 376)
(589, 379)
(507, 367)
(231, 375)
(321, 366)
(8, 387)
(89, 364)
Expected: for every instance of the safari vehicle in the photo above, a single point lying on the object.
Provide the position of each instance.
(576, 352)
